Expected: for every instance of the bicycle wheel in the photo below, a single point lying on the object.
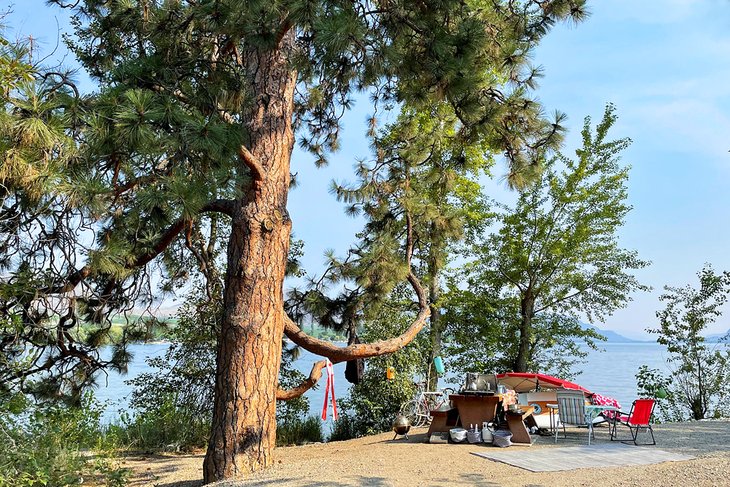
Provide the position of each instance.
(422, 414)
(410, 410)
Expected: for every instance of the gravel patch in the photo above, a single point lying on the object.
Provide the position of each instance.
(381, 461)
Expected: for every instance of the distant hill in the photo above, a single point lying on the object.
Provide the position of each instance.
(611, 336)
(715, 337)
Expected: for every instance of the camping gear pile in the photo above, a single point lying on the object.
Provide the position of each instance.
(475, 434)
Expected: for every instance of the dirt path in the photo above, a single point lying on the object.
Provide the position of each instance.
(380, 461)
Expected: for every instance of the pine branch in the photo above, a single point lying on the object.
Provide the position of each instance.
(363, 350)
(78, 276)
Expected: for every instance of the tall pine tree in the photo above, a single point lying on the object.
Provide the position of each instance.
(422, 187)
(198, 106)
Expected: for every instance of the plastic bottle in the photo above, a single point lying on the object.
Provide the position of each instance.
(486, 433)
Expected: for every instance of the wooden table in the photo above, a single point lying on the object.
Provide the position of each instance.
(475, 409)
(442, 420)
(516, 423)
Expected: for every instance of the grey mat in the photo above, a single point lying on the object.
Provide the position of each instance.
(571, 458)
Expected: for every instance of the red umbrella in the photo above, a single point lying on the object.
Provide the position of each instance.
(530, 381)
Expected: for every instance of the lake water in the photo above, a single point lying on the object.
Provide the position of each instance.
(609, 372)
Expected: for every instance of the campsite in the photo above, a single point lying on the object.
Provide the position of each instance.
(364, 242)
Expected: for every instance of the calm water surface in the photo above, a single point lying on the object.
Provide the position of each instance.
(609, 372)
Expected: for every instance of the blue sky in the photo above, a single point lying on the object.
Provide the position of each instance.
(663, 63)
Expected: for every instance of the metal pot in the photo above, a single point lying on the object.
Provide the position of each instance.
(401, 425)
(471, 382)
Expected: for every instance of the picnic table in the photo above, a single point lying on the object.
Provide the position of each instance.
(516, 422)
(476, 409)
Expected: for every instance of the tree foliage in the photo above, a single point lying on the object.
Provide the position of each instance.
(697, 386)
(192, 128)
(554, 257)
(56, 444)
(415, 196)
(161, 140)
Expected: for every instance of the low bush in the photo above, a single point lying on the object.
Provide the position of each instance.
(299, 431)
(345, 428)
(55, 444)
(375, 401)
(165, 425)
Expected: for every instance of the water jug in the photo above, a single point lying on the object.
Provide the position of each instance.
(486, 433)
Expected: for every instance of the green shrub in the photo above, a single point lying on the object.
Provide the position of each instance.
(697, 384)
(345, 428)
(299, 431)
(163, 425)
(55, 444)
(373, 404)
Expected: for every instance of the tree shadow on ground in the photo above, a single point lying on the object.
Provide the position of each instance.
(182, 483)
(301, 482)
(471, 479)
(692, 437)
(412, 438)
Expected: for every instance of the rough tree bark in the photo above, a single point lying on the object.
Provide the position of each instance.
(243, 431)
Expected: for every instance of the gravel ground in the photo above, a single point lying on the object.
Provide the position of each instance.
(380, 461)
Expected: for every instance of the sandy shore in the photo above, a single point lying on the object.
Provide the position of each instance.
(380, 461)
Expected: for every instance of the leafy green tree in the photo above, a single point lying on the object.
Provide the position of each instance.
(195, 120)
(554, 256)
(655, 383)
(482, 332)
(699, 383)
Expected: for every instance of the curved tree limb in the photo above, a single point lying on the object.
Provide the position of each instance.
(314, 376)
(365, 350)
(219, 206)
(362, 350)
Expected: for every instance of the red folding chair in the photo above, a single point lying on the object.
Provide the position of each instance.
(638, 418)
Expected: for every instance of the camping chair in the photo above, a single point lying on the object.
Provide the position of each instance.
(572, 410)
(639, 417)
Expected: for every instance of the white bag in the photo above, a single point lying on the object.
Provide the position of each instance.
(458, 435)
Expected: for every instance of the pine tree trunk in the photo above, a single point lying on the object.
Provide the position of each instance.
(243, 432)
(527, 310)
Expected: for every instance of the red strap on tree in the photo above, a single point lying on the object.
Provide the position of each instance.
(330, 387)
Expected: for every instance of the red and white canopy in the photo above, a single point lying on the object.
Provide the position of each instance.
(530, 381)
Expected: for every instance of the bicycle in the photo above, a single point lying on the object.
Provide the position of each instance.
(418, 410)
